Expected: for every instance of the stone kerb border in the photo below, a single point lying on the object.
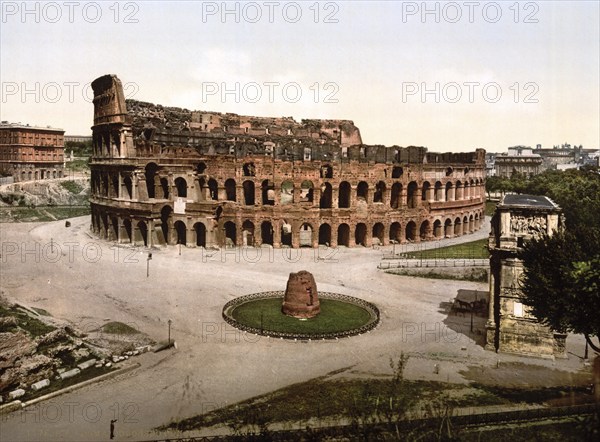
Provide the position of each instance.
(369, 307)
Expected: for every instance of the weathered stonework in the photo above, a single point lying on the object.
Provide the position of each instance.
(301, 299)
(510, 327)
(165, 175)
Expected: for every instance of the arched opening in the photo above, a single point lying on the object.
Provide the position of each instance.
(230, 234)
(438, 231)
(201, 168)
(305, 235)
(213, 189)
(425, 191)
(248, 193)
(343, 235)
(344, 195)
(114, 179)
(164, 185)
(362, 191)
(326, 196)
(396, 195)
(448, 231)
(266, 232)
(465, 225)
(306, 191)
(151, 169)
(438, 193)
(230, 189)
(181, 232)
(449, 192)
(287, 193)
(127, 225)
(268, 193)
(378, 234)
(395, 232)
(248, 233)
(457, 227)
(379, 196)
(165, 219)
(411, 195)
(411, 231)
(143, 233)
(424, 230)
(471, 224)
(325, 234)
(458, 192)
(181, 186)
(286, 234)
(128, 187)
(326, 171)
(249, 169)
(29, 175)
(397, 172)
(360, 235)
(200, 230)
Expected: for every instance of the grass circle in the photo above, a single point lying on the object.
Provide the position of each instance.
(260, 313)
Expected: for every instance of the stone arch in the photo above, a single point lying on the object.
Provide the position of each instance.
(344, 195)
(230, 233)
(411, 195)
(448, 230)
(267, 192)
(438, 192)
(248, 233)
(286, 234)
(395, 232)
(181, 186)
(201, 168)
(181, 232)
(305, 235)
(411, 231)
(166, 216)
(151, 170)
(143, 229)
(425, 189)
(396, 196)
(287, 193)
(326, 196)
(360, 234)
(343, 235)
(306, 191)
(438, 231)
(465, 225)
(213, 189)
(164, 186)
(458, 191)
(230, 190)
(325, 234)
(425, 230)
(380, 192)
(200, 230)
(362, 191)
(128, 185)
(457, 227)
(266, 232)
(378, 233)
(397, 172)
(471, 223)
(449, 188)
(127, 228)
(248, 192)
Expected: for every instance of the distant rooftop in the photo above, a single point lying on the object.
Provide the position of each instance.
(7, 125)
(532, 201)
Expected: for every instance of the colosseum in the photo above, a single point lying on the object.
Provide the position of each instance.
(165, 175)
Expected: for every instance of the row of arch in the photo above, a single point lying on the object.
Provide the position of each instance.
(39, 174)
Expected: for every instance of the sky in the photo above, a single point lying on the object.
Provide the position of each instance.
(451, 76)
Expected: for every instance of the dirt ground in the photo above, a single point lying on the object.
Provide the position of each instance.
(89, 282)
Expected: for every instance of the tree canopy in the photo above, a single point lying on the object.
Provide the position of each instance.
(561, 280)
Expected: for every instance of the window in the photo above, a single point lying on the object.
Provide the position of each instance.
(518, 310)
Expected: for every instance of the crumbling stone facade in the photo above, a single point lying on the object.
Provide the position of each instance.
(511, 328)
(301, 299)
(165, 175)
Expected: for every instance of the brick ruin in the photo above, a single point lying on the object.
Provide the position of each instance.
(301, 299)
(165, 175)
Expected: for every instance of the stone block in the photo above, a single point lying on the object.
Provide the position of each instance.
(41, 384)
(16, 393)
(87, 364)
(70, 373)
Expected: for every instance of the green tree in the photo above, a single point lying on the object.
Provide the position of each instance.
(561, 280)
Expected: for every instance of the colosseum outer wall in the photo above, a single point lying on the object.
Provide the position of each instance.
(163, 175)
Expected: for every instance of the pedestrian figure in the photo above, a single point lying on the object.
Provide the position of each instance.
(112, 428)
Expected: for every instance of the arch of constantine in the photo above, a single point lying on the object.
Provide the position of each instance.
(165, 175)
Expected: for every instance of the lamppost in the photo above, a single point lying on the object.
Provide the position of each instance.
(169, 338)
(148, 264)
